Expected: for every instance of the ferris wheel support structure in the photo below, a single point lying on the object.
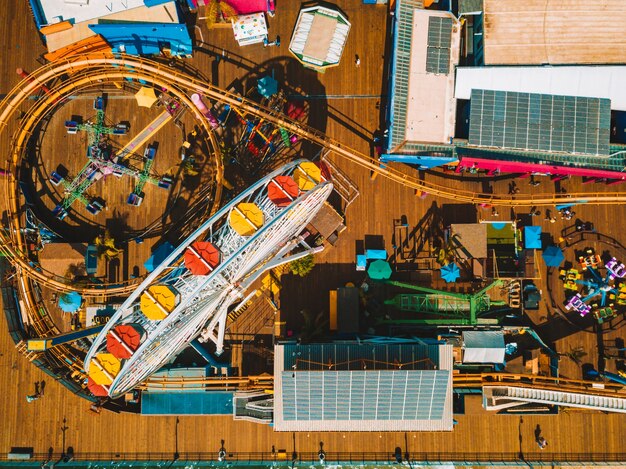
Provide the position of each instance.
(205, 299)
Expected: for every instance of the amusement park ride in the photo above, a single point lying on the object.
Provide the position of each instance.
(599, 294)
(259, 139)
(101, 163)
(456, 309)
(190, 293)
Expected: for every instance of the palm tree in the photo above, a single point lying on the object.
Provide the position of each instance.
(105, 246)
(302, 266)
(313, 327)
(575, 354)
(217, 11)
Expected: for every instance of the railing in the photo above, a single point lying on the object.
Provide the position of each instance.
(289, 458)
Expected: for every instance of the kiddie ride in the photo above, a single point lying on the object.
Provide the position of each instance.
(601, 295)
(102, 162)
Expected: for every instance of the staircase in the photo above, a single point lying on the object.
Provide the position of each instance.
(343, 185)
(22, 347)
(501, 397)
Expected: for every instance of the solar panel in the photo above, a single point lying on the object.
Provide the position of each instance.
(439, 31)
(364, 395)
(541, 122)
(437, 60)
(438, 46)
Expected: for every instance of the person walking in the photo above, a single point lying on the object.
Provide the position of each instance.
(357, 61)
(542, 442)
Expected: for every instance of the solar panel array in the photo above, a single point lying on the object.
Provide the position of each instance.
(364, 395)
(439, 40)
(542, 122)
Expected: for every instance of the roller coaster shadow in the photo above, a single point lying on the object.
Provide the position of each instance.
(300, 83)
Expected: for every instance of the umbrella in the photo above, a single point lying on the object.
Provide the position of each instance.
(450, 272)
(158, 301)
(246, 218)
(97, 389)
(70, 302)
(123, 340)
(553, 256)
(202, 257)
(146, 96)
(282, 190)
(267, 86)
(104, 367)
(379, 270)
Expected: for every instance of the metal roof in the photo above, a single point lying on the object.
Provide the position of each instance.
(364, 395)
(583, 80)
(529, 121)
(554, 32)
(483, 347)
(362, 387)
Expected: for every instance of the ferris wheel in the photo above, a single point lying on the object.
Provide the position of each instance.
(190, 292)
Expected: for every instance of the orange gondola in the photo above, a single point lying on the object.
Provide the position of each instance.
(282, 190)
(202, 257)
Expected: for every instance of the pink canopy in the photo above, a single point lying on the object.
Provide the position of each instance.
(245, 7)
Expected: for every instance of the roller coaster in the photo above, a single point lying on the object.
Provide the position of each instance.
(68, 76)
(197, 304)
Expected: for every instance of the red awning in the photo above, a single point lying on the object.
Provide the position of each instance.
(282, 190)
(123, 340)
(202, 257)
(96, 389)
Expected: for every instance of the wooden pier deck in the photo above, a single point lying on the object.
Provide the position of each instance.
(350, 114)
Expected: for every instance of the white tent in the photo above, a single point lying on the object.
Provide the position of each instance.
(483, 347)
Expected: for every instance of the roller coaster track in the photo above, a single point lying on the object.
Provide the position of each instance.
(13, 247)
(459, 382)
(68, 76)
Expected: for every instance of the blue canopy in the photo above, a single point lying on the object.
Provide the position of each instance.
(532, 237)
(70, 302)
(267, 86)
(450, 272)
(553, 256)
(158, 256)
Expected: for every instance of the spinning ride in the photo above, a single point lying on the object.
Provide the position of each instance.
(103, 162)
(603, 295)
(189, 294)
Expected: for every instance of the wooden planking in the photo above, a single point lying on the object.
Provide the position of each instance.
(38, 424)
